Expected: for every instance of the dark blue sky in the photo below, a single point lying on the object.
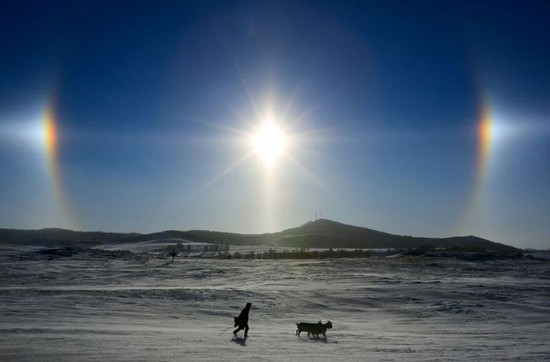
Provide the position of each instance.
(382, 101)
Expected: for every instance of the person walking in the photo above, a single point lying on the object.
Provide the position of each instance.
(242, 320)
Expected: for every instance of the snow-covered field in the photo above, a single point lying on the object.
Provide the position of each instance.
(99, 307)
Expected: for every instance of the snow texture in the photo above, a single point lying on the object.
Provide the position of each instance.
(98, 305)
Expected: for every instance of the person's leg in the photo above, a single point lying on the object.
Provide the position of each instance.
(246, 330)
(236, 330)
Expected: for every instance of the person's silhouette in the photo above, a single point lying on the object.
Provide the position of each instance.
(242, 321)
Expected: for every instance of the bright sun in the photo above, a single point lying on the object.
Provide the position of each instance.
(269, 142)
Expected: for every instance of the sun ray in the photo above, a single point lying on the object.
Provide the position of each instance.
(311, 176)
(216, 178)
(205, 186)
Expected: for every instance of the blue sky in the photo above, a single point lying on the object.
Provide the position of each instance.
(381, 102)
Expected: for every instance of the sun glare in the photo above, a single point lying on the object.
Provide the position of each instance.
(269, 142)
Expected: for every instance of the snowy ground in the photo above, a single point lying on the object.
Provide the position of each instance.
(93, 307)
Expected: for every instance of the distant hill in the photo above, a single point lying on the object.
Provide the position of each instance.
(330, 234)
(59, 237)
(204, 236)
(321, 233)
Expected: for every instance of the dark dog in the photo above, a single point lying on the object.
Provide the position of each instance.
(313, 328)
